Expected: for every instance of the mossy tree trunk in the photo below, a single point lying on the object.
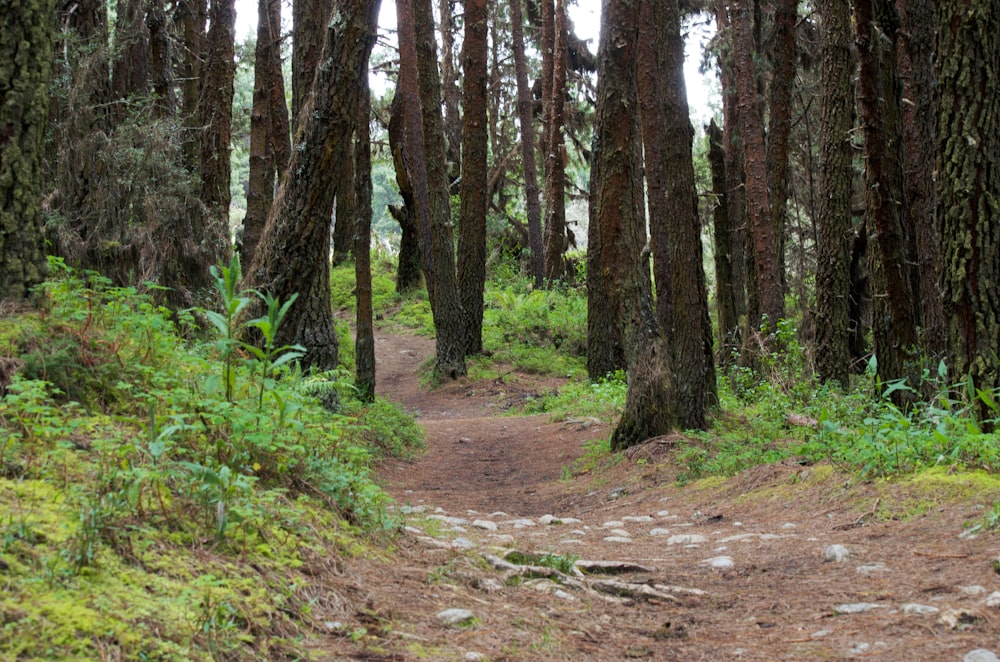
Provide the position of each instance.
(968, 49)
(26, 40)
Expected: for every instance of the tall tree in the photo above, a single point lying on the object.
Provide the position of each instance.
(269, 141)
(26, 53)
(968, 56)
(161, 60)
(915, 55)
(292, 256)
(555, 153)
(364, 335)
(472, 222)
(763, 235)
(779, 122)
(215, 110)
(408, 262)
(308, 29)
(446, 305)
(897, 314)
(192, 15)
(536, 261)
(689, 336)
(833, 248)
(450, 91)
(130, 66)
(725, 281)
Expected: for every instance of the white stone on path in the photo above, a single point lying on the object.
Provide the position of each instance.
(914, 608)
(520, 523)
(485, 524)
(659, 532)
(855, 607)
(686, 539)
(871, 568)
(980, 655)
(445, 519)
(617, 539)
(836, 553)
(620, 532)
(462, 543)
(613, 524)
(720, 562)
(455, 616)
(637, 518)
(473, 656)
(993, 600)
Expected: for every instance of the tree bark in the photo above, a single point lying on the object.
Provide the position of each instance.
(409, 259)
(450, 89)
(25, 68)
(160, 60)
(192, 15)
(269, 142)
(364, 335)
(915, 55)
(292, 257)
(448, 317)
(215, 109)
(968, 129)
(345, 213)
(536, 261)
(555, 155)
(896, 317)
(472, 223)
(725, 283)
(763, 236)
(130, 69)
(308, 19)
(833, 357)
(779, 123)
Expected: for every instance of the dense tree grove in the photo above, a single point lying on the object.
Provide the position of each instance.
(848, 187)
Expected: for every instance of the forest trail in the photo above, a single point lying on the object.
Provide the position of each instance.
(782, 562)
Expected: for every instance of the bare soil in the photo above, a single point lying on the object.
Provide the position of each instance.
(778, 601)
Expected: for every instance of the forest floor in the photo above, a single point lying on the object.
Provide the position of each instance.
(720, 569)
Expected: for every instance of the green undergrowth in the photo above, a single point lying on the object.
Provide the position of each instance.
(164, 494)
(409, 312)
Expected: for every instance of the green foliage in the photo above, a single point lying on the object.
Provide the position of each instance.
(123, 446)
(581, 400)
(410, 311)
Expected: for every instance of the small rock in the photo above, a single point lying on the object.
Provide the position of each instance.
(980, 655)
(855, 607)
(993, 600)
(462, 543)
(659, 532)
(473, 656)
(836, 553)
(502, 538)
(788, 525)
(738, 536)
(913, 608)
(620, 532)
(686, 539)
(489, 584)
(958, 618)
(771, 536)
(870, 568)
(520, 523)
(549, 519)
(662, 513)
(637, 518)
(613, 524)
(452, 521)
(455, 616)
(720, 562)
(617, 539)
(570, 541)
(457, 529)
(570, 520)
(563, 595)
(485, 524)
(974, 590)
(497, 515)
(333, 626)
(819, 634)
(617, 493)
(578, 532)
(413, 531)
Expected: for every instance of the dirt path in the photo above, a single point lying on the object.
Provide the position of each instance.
(731, 570)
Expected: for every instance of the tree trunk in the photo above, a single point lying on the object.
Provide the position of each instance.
(833, 259)
(761, 223)
(555, 155)
(269, 143)
(364, 336)
(536, 261)
(409, 260)
(725, 283)
(616, 212)
(215, 109)
(472, 223)
(780, 121)
(896, 316)
(450, 89)
(292, 257)
(448, 318)
(345, 215)
(26, 51)
(915, 55)
(130, 69)
(308, 27)
(192, 15)
(160, 60)
(968, 55)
